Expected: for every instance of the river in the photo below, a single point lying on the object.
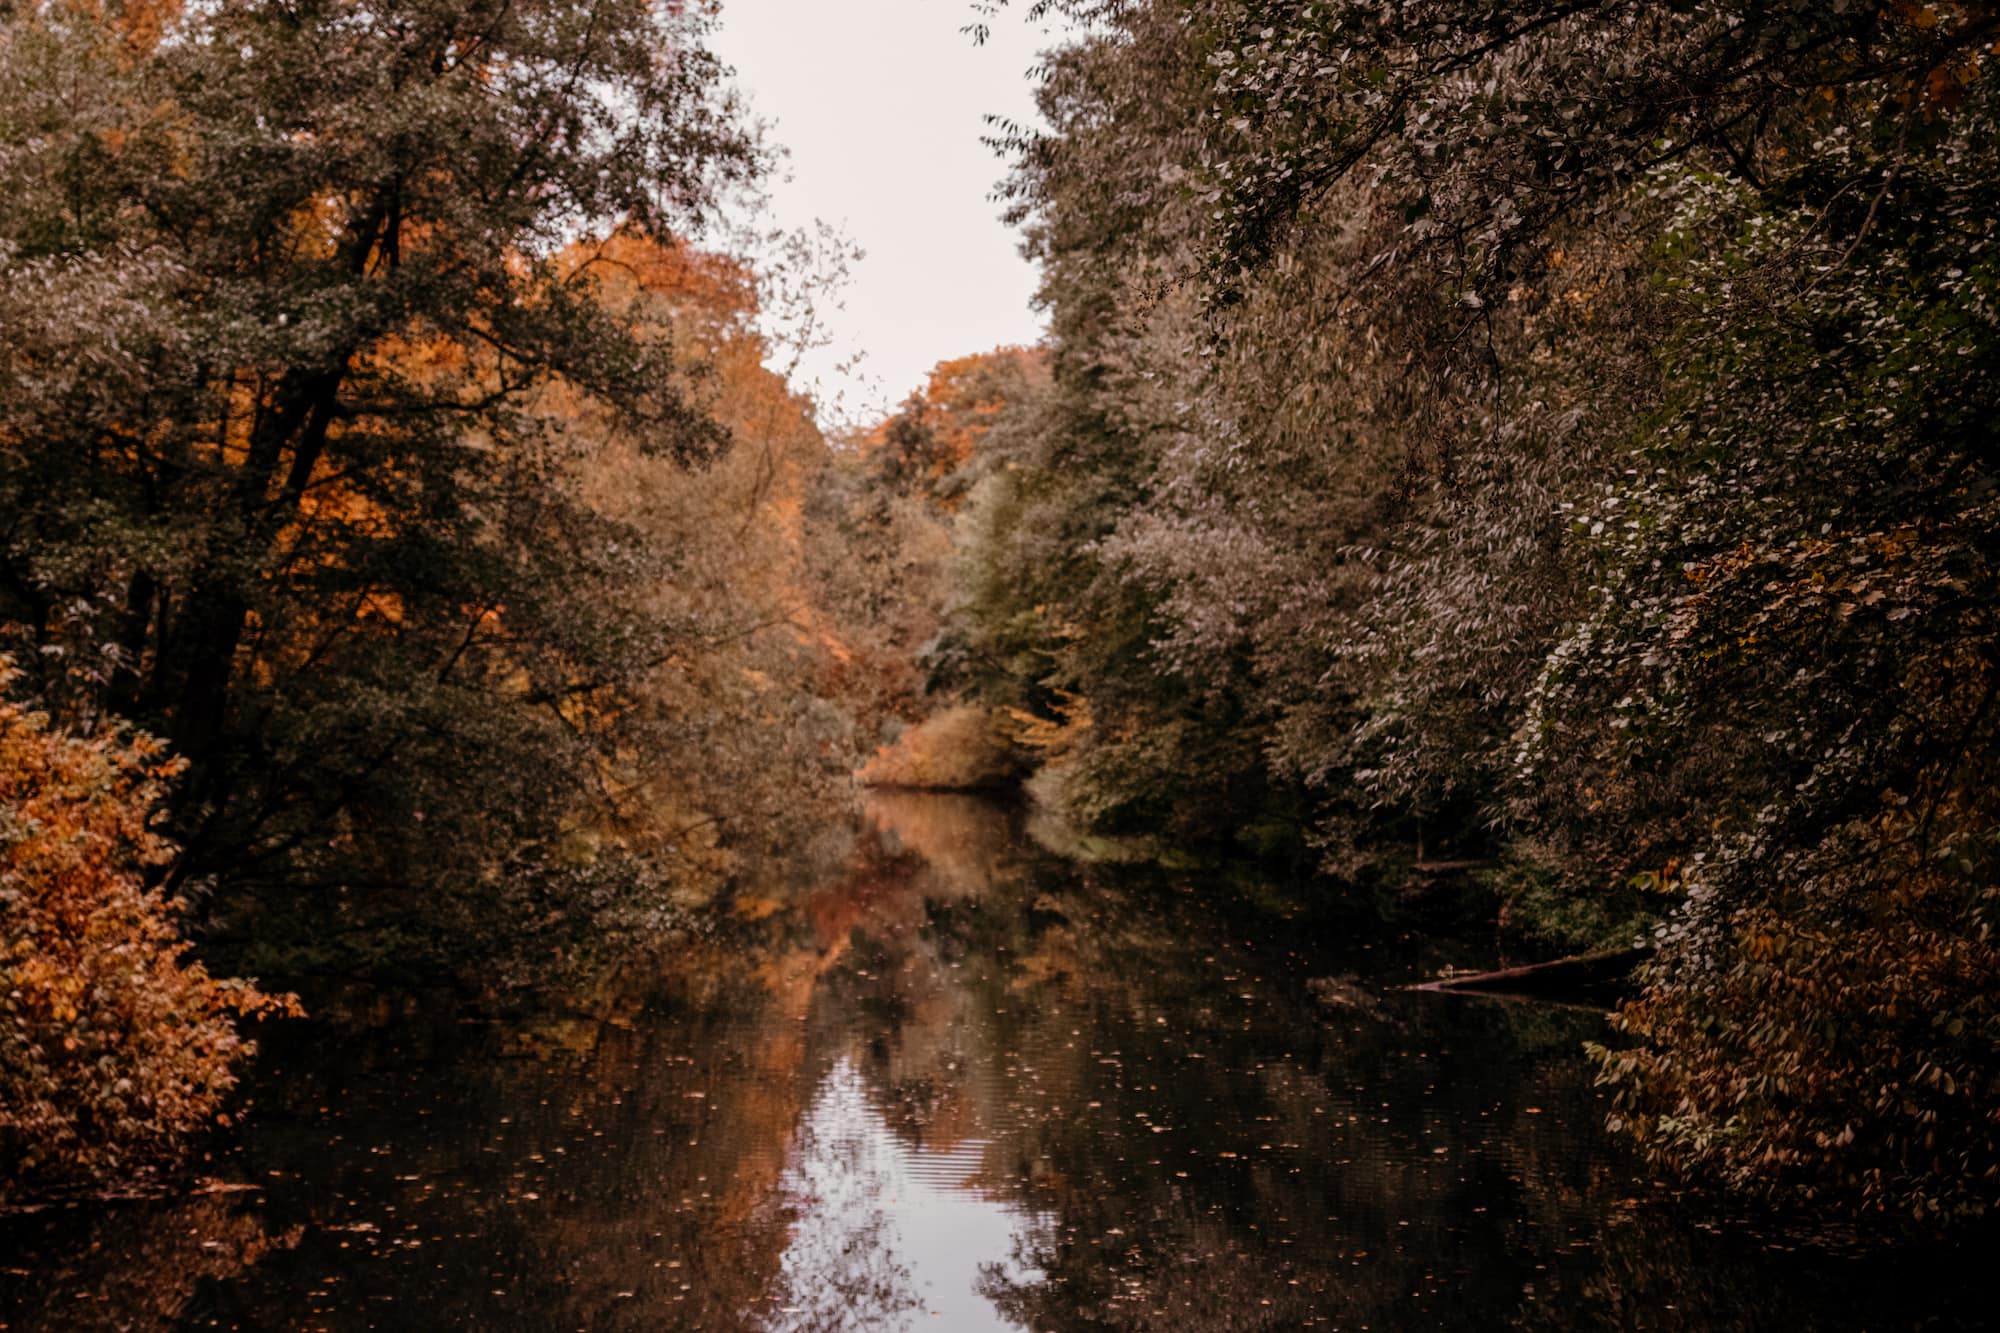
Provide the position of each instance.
(959, 1083)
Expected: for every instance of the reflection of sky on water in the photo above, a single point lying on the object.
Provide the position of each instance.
(887, 1235)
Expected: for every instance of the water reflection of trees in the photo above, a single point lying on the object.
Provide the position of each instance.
(135, 1267)
(1197, 1144)
(1187, 1139)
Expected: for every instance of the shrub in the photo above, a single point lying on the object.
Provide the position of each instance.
(959, 749)
(112, 1045)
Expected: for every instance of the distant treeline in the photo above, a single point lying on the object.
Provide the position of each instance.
(1563, 434)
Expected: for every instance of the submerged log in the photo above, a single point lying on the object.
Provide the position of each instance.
(1596, 978)
(1447, 867)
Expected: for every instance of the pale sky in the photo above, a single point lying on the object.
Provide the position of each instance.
(881, 104)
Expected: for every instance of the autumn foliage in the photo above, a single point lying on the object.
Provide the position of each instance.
(927, 445)
(958, 749)
(112, 1045)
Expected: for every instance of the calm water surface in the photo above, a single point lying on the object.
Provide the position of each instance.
(959, 1084)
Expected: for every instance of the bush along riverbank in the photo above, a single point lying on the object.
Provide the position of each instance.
(114, 1046)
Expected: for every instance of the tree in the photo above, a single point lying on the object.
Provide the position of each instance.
(285, 288)
(930, 443)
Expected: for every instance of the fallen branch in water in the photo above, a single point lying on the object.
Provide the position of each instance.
(1591, 978)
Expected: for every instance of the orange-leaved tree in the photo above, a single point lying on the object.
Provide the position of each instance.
(927, 443)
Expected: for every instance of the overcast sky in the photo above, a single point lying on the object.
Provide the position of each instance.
(881, 104)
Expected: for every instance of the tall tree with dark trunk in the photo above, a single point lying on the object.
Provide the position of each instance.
(283, 286)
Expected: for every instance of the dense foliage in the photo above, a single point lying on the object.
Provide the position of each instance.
(366, 405)
(301, 366)
(112, 1044)
(1563, 432)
